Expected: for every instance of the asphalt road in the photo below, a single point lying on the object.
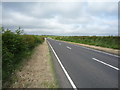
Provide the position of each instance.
(84, 67)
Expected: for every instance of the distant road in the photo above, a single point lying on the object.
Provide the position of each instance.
(86, 68)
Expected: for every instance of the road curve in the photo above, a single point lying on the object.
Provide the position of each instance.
(85, 67)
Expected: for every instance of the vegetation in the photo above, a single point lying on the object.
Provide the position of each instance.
(104, 41)
(15, 47)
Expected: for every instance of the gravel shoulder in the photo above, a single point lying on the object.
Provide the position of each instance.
(37, 72)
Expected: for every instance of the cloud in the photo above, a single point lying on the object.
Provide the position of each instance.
(0, 14)
(62, 18)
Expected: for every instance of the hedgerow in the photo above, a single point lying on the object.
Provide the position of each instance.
(14, 48)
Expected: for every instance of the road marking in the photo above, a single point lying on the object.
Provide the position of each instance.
(70, 80)
(99, 51)
(92, 49)
(106, 64)
(68, 47)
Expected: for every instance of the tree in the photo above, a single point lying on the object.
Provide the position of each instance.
(2, 28)
(19, 31)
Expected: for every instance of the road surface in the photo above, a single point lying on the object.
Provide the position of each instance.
(84, 67)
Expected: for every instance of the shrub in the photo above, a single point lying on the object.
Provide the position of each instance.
(14, 48)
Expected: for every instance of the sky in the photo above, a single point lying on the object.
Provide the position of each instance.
(62, 18)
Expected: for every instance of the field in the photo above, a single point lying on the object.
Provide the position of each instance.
(103, 41)
(15, 47)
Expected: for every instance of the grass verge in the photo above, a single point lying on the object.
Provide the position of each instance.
(109, 50)
(102, 41)
(53, 71)
(37, 72)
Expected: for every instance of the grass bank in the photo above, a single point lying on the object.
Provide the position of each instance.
(103, 41)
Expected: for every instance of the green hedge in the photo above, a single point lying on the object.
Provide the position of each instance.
(14, 48)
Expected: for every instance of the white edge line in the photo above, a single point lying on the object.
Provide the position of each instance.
(70, 80)
(105, 64)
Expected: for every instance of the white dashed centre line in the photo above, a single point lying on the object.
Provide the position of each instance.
(68, 47)
(105, 64)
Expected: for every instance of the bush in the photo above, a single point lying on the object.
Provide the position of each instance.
(14, 49)
(13, 42)
(29, 41)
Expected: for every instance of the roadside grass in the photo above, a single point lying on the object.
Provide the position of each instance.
(55, 84)
(37, 71)
(103, 41)
(48, 84)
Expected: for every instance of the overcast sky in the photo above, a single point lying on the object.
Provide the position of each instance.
(62, 18)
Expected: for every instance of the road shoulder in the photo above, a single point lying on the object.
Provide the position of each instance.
(36, 72)
(60, 75)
